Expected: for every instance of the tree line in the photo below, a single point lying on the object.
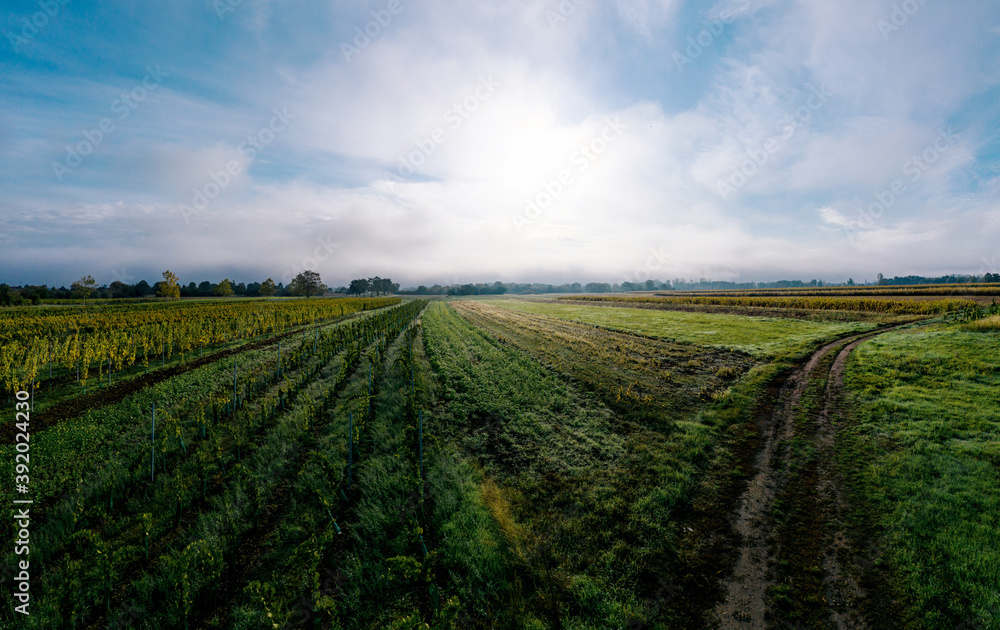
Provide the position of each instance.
(309, 283)
(305, 284)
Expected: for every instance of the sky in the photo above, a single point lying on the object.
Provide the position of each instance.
(524, 141)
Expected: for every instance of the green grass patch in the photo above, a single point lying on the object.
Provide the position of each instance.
(923, 453)
(761, 337)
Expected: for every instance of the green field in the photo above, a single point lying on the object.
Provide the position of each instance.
(508, 464)
(923, 447)
(760, 336)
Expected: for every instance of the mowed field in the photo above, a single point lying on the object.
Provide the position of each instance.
(510, 463)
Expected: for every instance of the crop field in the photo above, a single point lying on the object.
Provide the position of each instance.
(762, 337)
(862, 303)
(502, 463)
(912, 291)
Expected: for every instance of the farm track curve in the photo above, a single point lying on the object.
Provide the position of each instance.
(815, 496)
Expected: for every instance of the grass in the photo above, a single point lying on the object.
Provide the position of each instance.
(760, 337)
(985, 325)
(924, 450)
(689, 433)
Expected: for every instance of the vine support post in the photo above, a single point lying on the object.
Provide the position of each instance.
(152, 448)
(350, 449)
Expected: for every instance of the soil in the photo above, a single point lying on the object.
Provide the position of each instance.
(795, 561)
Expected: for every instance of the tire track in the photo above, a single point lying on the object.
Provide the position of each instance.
(746, 603)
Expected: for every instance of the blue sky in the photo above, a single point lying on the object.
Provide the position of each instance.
(521, 141)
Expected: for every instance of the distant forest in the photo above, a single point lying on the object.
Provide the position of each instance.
(678, 284)
(117, 290)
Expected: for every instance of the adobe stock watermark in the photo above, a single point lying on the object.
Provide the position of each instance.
(657, 258)
(363, 37)
(225, 7)
(553, 189)
(758, 157)
(325, 246)
(914, 168)
(707, 36)
(991, 267)
(563, 12)
(122, 276)
(900, 17)
(123, 107)
(454, 117)
(203, 196)
(32, 25)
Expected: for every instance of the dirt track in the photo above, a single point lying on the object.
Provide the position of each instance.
(791, 520)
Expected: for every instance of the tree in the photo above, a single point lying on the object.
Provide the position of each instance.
(359, 286)
(170, 288)
(224, 288)
(84, 287)
(267, 288)
(307, 283)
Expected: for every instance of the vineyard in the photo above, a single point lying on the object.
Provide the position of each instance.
(966, 289)
(73, 340)
(502, 464)
(872, 305)
(145, 502)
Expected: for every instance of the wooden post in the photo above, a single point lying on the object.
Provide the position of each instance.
(152, 441)
(350, 449)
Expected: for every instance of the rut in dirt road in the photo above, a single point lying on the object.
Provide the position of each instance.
(748, 593)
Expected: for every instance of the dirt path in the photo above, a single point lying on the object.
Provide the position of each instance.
(814, 491)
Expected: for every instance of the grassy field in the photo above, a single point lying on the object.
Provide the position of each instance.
(509, 463)
(923, 451)
(758, 336)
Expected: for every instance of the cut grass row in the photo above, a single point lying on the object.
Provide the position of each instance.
(555, 470)
(640, 538)
(762, 338)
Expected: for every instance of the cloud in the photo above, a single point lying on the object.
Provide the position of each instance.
(834, 217)
(646, 16)
(402, 163)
